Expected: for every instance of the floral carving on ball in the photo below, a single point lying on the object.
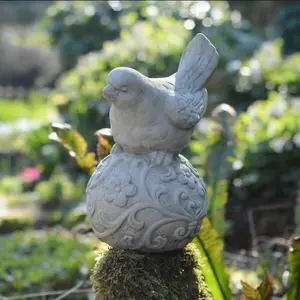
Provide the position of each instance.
(119, 188)
(187, 177)
(135, 204)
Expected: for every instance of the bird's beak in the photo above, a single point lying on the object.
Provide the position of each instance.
(110, 93)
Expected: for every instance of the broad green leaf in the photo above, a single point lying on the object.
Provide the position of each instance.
(297, 217)
(105, 142)
(75, 144)
(263, 292)
(78, 144)
(88, 162)
(218, 164)
(294, 268)
(70, 139)
(210, 246)
(218, 200)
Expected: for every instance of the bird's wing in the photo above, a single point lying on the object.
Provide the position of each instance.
(197, 63)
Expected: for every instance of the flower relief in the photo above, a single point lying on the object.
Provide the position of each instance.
(118, 188)
(187, 177)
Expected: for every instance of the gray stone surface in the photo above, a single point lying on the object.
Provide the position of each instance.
(145, 195)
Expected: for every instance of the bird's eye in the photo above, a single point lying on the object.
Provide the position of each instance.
(124, 88)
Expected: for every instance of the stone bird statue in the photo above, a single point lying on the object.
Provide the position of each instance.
(157, 116)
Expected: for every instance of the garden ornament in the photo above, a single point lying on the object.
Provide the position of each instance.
(146, 196)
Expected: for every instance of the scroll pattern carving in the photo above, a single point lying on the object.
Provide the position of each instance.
(134, 204)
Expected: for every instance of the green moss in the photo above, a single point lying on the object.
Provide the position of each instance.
(123, 274)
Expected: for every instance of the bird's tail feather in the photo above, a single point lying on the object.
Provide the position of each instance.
(197, 63)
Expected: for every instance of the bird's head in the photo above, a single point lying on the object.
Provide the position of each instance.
(124, 87)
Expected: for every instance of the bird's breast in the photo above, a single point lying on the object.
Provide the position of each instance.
(146, 132)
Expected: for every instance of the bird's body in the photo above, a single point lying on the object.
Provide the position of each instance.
(145, 127)
(159, 115)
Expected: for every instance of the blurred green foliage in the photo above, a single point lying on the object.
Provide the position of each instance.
(254, 161)
(76, 217)
(294, 267)
(79, 27)
(37, 148)
(59, 189)
(152, 48)
(287, 20)
(34, 107)
(267, 150)
(16, 220)
(269, 70)
(11, 185)
(297, 211)
(33, 260)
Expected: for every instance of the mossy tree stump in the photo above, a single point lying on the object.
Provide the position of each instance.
(128, 275)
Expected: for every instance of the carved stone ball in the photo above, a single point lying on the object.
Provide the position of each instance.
(133, 203)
